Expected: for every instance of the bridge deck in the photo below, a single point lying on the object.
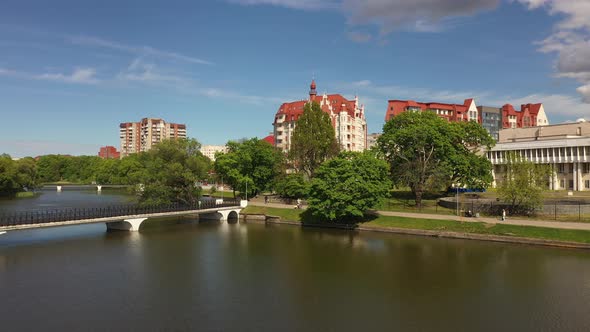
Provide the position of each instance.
(65, 217)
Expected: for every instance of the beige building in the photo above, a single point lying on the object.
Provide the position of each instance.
(210, 150)
(565, 147)
(347, 116)
(372, 140)
(142, 136)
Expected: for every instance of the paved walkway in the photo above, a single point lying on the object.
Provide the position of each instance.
(534, 223)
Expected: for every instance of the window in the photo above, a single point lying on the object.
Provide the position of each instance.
(561, 169)
(587, 184)
(571, 184)
(562, 183)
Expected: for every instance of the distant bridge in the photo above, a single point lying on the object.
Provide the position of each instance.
(122, 217)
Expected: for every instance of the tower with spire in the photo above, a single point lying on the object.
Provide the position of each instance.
(312, 91)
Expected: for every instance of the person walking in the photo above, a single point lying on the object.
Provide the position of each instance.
(503, 214)
(265, 199)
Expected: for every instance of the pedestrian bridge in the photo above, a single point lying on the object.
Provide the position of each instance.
(121, 217)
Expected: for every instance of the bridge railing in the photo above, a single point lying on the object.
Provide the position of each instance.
(69, 214)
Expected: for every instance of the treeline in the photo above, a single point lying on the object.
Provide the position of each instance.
(170, 163)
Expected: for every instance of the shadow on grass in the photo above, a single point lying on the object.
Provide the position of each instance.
(308, 219)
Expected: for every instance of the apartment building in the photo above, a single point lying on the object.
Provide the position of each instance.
(142, 136)
(348, 120)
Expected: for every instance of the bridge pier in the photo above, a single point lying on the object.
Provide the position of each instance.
(222, 215)
(126, 225)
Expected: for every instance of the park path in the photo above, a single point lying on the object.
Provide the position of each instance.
(508, 221)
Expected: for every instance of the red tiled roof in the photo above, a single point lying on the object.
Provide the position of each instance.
(396, 107)
(295, 109)
(270, 139)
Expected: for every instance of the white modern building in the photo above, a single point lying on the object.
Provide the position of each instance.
(565, 147)
(209, 151)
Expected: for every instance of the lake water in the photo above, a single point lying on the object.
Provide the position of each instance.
(250, 277)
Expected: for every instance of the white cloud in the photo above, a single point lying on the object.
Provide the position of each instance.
(413, 93)
(570, 40)
(417, 15)
(79, 75)
(142, 72)
(139, 50)
(559, 108)
(296, 4)
(389, 15)
(359, 37)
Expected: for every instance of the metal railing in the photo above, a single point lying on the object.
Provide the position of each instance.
(71, 214)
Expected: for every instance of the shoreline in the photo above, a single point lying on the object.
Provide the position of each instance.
(275, 220)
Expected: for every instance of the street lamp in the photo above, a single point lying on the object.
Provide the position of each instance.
(457, 199)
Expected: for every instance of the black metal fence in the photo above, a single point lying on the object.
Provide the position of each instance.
(68, 214)
(550, 210)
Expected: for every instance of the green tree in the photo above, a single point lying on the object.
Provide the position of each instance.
(172, 170)
(292, 186)
(427, 153)
(523, 184)
(253, 163)
(27, 173)
(51, 168)
(313, 140)
(348, 185)
(8, 176)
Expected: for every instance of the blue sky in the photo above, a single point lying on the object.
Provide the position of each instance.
(71, 71)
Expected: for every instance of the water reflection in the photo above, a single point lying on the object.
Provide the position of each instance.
(177, 274)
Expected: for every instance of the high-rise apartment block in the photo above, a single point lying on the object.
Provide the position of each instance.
(347, 116)
(142, 136)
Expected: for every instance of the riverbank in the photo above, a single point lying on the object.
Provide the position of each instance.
(473, 230)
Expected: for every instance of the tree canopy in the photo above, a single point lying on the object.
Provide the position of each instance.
(523, 184)
(313, 140)
(253, 163)
(17, 175)
(292, 186)
(345, 187)
(427, 153)
(172, 171)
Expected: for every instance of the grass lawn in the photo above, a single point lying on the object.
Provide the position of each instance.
(446, 226)
(222, 194)
(482, 228)
(26, 194)
(285, 214)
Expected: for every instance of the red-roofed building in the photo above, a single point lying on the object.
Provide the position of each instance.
(270, 139)
(348, 120)
(530, 115)
(451, 112)
(108, 152)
